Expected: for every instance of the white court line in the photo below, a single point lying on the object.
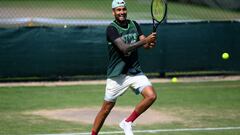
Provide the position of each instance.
(153, 131)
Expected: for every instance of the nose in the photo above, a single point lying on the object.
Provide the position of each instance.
(122, 11)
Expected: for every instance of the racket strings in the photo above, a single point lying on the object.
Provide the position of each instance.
(158, 8)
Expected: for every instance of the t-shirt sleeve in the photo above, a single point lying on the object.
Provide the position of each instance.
(112, 33)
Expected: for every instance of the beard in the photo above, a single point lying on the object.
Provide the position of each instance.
(121, 18)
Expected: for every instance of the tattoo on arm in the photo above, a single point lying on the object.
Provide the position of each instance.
(125, 48)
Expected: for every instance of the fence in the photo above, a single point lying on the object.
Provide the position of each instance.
(85, 12)
(193, 39)
(48, 51)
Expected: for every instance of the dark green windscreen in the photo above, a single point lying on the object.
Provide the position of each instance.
(47, 51)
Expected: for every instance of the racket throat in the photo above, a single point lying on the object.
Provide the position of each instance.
(154, 29)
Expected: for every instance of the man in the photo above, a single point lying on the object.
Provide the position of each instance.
(124, 38)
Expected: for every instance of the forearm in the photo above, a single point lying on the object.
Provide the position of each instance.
(125, 48)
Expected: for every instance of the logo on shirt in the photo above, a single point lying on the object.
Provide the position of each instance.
(130, 38)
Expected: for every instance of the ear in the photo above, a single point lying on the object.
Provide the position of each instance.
(113, 12)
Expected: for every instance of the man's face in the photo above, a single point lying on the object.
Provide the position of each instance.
(120, 13)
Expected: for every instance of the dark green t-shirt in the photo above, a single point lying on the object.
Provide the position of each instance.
(118, 63)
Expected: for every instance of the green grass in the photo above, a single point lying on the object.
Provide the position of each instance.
(203, 104)
(95, 9)
(188, 11)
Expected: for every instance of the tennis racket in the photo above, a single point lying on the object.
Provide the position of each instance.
(159, 12)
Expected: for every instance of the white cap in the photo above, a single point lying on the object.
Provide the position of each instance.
(118, 3)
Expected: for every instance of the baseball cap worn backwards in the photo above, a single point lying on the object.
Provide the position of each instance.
(118, 3)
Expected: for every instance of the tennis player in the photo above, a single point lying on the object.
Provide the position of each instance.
(124, 38)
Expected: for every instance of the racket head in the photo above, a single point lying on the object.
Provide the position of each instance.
(158, 12)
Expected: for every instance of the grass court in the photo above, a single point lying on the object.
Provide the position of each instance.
(198, 104)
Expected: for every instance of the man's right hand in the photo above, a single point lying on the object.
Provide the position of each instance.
(150, 41)
(151, 38)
